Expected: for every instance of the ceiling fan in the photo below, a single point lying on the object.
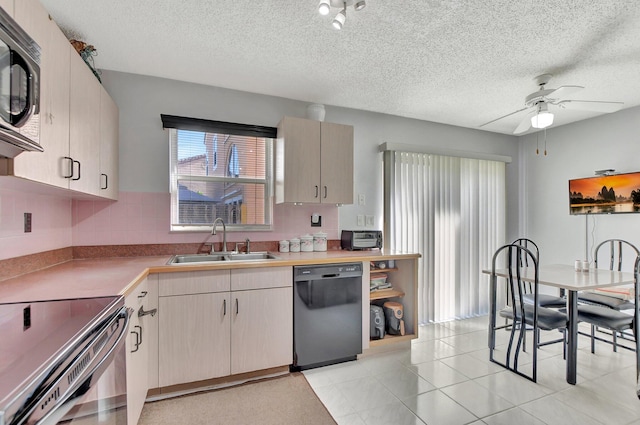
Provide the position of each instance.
(539, 102)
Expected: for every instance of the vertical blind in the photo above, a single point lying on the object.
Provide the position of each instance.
(452, 211)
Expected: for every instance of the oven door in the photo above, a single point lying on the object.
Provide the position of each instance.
(88, 384)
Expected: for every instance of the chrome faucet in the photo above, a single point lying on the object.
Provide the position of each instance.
(224, 233)
(248, 245)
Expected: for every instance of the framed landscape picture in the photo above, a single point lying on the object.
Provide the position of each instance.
(612, 194)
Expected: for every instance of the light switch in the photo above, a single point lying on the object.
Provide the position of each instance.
(360, 220)
(370, 221)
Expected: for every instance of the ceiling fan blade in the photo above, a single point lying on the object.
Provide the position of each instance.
(525, 124)
(591, 105)
(564, 91)
(504, 116)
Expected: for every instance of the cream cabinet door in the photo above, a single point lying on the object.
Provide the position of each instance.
(336, 161)
(84, 127)
(138, 350)
(49, 166)
(261, 329)
(7, 6)
(298, 161)
(108, 146)
(193, 339)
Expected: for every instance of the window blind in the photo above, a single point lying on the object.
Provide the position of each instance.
(452, 211)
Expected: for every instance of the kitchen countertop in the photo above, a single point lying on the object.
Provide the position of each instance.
(112, 276)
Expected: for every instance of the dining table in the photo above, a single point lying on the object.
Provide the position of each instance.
(566, 277)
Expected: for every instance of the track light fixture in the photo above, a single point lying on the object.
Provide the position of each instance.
(325, 6)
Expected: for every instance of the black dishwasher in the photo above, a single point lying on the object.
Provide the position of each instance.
(327, 314)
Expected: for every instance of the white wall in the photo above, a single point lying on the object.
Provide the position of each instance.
(576, 150)
(144, 153)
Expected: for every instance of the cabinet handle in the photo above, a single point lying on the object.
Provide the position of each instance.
(142, 312)
(325, 192)
(224, 307)
(142, 294)
(70, 167)
(137, 343)
(79, 165)
(139, 327)
(317, 191)
(237, 306)
(106, 181)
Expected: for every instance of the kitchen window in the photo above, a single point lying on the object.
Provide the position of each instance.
(239, 190)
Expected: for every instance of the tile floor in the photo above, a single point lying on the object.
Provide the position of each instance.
(445, 378)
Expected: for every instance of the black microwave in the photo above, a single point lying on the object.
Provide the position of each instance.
(19, 89)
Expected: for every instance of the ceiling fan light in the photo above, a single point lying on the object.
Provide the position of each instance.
(543, 119)
(339, 20)
(324, 7)
(359, 5)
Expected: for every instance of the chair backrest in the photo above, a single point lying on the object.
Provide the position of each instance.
(521, 262)
(524, 259)
(615, 248)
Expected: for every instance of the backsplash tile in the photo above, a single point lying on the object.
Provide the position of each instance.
(51, 221)
(143, 218)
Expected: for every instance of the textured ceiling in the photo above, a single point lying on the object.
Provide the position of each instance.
(460, 62)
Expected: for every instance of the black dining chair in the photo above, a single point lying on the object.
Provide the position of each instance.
(520, 263)
(544, 300)
(601, 309)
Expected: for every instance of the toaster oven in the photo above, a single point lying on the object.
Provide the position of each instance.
(361, 239)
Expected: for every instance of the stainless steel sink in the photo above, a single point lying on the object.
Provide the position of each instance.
(229, 256)
(251, 256)
(195, 258)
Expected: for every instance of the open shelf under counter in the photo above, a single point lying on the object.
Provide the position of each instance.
(377, 271)
(385, 293)
(391, 339)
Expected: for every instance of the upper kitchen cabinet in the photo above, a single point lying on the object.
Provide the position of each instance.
(109, 125)
(78, 119)
(84, 128)
(47, 167)
(314, 162)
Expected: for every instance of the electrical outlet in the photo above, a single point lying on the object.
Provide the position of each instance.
(361, 199)
(316, 220)
(370, 221)
(360, 220)
(27, 222)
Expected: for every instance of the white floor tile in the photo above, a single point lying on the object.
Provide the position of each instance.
(365, 393)
(511, 417)
(404, 383)
(472, 367)
(595, 406)
(335, 402)
(552, 411)
(445, 377)
(352, 419)
(476, 399)
(439, 374)
(435, 407)
(395, 413)
(512, 387)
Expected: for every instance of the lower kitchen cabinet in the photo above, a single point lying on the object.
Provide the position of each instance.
(194, 338)
(218, 323)
(262, 329)
(139, 348)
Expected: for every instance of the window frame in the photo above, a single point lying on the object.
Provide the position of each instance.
(174, 123)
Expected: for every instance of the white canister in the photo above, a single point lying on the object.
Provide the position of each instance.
(306, 243)
(320, 241)
(284, 246)
(294, 245)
